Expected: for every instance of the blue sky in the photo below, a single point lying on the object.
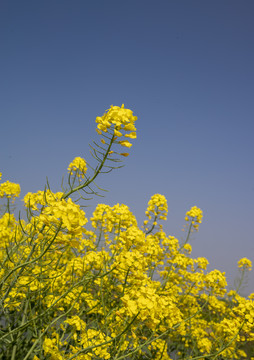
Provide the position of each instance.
(186, 70)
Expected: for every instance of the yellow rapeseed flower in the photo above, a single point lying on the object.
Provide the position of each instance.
(117, 133)
(33, 200)
(194, 215)
(245, 263)
(10, 190)
(78, 166)
(157, 206)
(120, 119)
(119, 116)
(125, 143)
(131, 135)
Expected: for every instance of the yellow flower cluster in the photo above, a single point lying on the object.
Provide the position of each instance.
(245, 263)
(41, 198)
(195, 215)
(78, 166)
(10, 190)
(157, 210)
(112, 219)
(7, 226)
(66, 214)
(216, 282)
(120, 119)
(157, 206)
(50, 347)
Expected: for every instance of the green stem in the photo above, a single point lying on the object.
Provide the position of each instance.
(96, 173)
(19, 333)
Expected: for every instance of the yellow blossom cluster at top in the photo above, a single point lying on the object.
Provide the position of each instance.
(122, 120)
(9, 189)
(245, 263)
(78, 166)
(157, 206)
(157, 209)
(195, 215)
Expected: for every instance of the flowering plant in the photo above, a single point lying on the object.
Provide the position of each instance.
(114, 290)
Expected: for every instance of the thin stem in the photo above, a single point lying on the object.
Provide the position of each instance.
(97, 171)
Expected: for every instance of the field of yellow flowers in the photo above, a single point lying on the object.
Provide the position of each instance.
(118, 290)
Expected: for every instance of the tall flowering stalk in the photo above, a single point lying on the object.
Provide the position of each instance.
(117, 123)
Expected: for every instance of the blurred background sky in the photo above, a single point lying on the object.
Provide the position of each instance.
(184, 67)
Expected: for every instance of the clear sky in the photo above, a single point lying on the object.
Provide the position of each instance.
(186, 69)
